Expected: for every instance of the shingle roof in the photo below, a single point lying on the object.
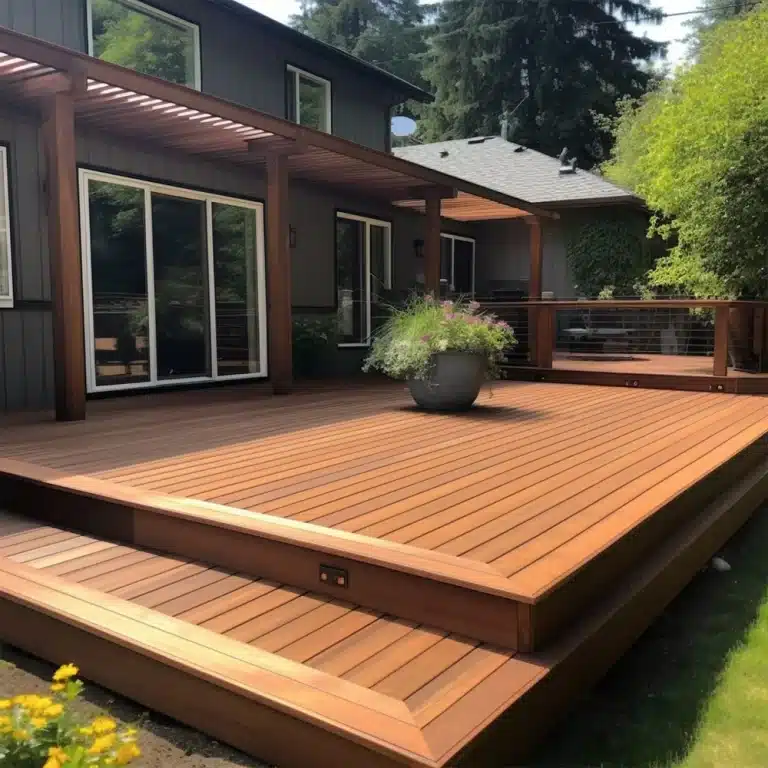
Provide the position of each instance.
(515, 170)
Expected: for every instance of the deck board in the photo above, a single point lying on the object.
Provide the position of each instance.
(509, 485)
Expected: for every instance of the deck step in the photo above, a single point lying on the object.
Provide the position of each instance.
(297, 678)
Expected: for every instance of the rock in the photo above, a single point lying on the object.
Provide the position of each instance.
(720, 565)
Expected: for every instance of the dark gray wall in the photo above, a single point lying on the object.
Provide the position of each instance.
(26, 346)
(503, 257)
(241, 61)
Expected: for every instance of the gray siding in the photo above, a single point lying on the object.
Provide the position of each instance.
(26, 348)
(503, 257)
(241, 61)
(57, 21)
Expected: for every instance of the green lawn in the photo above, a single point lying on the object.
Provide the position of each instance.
(693, 693)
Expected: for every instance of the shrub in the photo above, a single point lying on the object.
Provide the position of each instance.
(404, 346)
(42, 732)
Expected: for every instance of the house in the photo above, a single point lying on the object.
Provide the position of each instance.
(181, 179)
(504, 245)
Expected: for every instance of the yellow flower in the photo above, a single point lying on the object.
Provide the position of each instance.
(103, 725)
(5, 724)
(20, 735)
(102, 744)
(88, 731)
(57, 753)
(58, 687)
(52, 762)
(5, 704)
(127, 753)
(39, 722)
(65, 672)
(53, 710)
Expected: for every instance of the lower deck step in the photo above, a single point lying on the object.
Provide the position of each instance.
(298, 678)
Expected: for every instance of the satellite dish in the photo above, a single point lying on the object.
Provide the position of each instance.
(403, 126)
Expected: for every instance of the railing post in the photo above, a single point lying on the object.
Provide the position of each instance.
(545, 336)
(722, 319)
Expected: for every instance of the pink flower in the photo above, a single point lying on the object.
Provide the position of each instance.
(429, 299)
(450, 316)
(502, 324)
(447, 304)
(426, 339)
(473, 306)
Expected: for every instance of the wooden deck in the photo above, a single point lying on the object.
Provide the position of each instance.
(436, 570)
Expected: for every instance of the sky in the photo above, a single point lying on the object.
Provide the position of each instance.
(672, 30)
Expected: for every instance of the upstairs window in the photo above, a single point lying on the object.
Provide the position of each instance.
(308, 99)
(145, 39)
(6, 282)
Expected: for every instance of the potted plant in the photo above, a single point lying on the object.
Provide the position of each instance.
(444, 350)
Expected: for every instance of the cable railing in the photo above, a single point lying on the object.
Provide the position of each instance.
(680, 336)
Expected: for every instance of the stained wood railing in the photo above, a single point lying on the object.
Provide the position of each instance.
(683, 339)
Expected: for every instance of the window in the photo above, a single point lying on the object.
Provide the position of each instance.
(308, 99)
(173, 285)
(457, 264)
(363, 274)
(6, 277)
(147, 40)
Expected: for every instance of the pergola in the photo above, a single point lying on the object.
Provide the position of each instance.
(68, 88)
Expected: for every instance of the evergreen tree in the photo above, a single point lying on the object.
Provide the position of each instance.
(388, 33)
(550, 67)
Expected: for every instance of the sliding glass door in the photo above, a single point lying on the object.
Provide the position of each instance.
(174, 285)
(457, 265)
(363, 274)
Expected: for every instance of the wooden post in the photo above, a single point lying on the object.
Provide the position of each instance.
(64, 243)
(545, 336)
(722, 320)
(432, 246)
(536, 256)
(280, 330)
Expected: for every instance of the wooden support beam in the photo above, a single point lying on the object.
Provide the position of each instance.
(545, 336)
(722, 322)
(64, 242)
(536, 257)
(432, 246)
(279, 276)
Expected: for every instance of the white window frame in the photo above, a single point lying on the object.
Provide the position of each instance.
(150, 10)
(462, 238)
(296, 73)
(6, 299)
(386, 225)
(86, 176)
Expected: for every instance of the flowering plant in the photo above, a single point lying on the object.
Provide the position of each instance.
(39, 732)
(405, 345)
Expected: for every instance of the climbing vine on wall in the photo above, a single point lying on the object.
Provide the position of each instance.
(608, 252)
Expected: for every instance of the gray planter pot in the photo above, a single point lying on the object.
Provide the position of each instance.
(453, 384)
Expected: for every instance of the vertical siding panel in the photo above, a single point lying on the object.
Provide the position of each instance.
(34, 359)
(13, 344)
(27, 196)
(48, 20)
(23, 16)
(48, 370)
(73, 24)
(5, 13)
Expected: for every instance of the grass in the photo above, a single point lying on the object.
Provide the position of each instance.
(693, 693)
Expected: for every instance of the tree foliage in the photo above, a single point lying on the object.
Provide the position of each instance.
(697, 150)
(388, 33)
(549, 66)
